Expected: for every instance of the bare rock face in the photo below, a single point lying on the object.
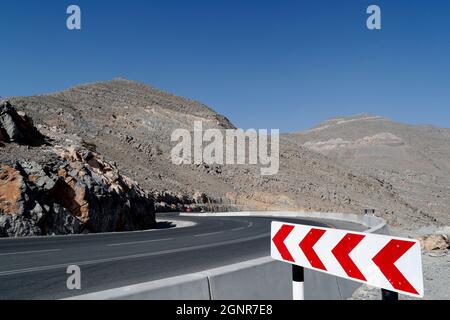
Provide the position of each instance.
(24, 208)
(99, 196)
(167, 201)
(434, 242)
(11, 183)
(71, 191)
(70, 197)
(17, 127)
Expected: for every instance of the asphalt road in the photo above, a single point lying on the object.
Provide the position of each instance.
(35, 268)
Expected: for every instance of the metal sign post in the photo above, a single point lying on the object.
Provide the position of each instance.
(387, 295)
(298, 283)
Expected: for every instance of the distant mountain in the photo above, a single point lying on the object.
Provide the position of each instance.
(414, 159)
(131, 124)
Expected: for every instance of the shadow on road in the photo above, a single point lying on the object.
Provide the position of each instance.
(165, 225)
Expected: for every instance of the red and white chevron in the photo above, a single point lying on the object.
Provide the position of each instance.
(381, 261)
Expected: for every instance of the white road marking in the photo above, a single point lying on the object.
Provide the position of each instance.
(28, 252)
(249, 225)
(134, 256)
(207, 234)
(137, 242)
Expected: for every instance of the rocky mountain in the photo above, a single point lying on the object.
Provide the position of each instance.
(131, 124)
(415, 160)
(48, 189)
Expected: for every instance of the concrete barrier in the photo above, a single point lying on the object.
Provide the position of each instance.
(258, 279)
(237, 281)
(318, 285)
(186, 287)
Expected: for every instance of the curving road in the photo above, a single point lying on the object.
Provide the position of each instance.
(35, 268)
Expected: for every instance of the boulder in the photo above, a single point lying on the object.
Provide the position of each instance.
(17, 127)
(201, 198)
(434, 242)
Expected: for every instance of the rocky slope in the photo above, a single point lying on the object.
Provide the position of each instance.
(414, 160)
(132, 123)
(48, 189)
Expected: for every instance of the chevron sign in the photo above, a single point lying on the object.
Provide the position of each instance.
(386, 262)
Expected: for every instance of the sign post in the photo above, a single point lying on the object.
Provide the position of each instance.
(298, 283)
(390, 263)
(388, 295)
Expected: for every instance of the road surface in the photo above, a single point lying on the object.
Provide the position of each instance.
(35, 268)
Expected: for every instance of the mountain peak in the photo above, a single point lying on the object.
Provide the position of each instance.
(126, 81)
(355, 117)
(345, 120)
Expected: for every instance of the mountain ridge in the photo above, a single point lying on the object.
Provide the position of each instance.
(131, 123)
(413, 158)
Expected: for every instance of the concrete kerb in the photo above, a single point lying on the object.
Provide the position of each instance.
(261, 278)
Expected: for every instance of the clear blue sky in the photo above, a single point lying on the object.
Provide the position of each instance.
(264, 64)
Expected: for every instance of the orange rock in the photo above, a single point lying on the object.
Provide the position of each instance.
(72, 196)
(11, 183)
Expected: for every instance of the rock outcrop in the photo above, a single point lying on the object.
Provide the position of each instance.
(73, 191)
(166, 201)
(434, 242)
(17, 127)
(80, 193)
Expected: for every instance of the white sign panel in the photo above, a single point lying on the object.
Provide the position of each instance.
(386, 262)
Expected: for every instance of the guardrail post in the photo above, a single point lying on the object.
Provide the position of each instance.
(298, 283)
(388, 295)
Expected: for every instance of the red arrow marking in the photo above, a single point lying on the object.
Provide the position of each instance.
(278, 240)
(307, 245)
(342, 251)
(385, 260)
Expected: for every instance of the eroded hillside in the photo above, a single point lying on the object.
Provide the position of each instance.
(132, 123)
